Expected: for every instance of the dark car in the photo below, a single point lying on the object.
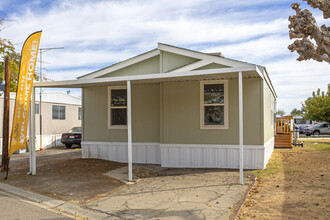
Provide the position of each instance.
(72, 137)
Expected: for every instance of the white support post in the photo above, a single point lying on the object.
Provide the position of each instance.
(33, 166)
(129, 131)
(240, 110)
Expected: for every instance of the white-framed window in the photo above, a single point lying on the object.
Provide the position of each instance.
(58, 112)
(117, 107)
(36, 108)
(79, 113)
(214, 104)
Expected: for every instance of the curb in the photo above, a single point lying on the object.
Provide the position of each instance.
(244, 199)
(73, 210)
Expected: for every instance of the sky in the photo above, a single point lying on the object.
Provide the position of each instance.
(96, 34)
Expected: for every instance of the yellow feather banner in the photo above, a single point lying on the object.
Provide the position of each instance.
(23, 94)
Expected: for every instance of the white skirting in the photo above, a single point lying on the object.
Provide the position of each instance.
(117, 151)
(182, 155)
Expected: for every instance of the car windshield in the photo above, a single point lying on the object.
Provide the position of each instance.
(319, 125)
(75, 129)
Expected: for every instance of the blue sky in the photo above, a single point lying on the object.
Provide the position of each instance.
(96, 34)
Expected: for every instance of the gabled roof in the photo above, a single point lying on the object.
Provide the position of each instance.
(181, 64)
(201, 60)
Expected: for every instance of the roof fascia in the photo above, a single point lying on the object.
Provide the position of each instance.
(191, 66)
(202, 56)
(121, 65)
(263, 74)
(82, 82)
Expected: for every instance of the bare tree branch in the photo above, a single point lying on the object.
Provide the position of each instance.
(303, 25)
(323, 5)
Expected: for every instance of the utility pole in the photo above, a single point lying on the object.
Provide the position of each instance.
(41, 50)
(5, 132)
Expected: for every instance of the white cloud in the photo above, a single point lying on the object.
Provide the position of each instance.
(96, 34)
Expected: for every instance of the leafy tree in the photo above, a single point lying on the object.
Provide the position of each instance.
(317, 108)
(280, 112)
(296, 112)
(7, 49)
(303, 25)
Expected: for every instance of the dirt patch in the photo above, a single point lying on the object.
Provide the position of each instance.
(295, 185)
(62, 174)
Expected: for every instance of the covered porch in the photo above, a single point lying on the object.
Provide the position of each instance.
(128, 150)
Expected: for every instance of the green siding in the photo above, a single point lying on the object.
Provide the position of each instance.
(269, 127)
(172, 61)
(181, 114)
(145, 116)
(147, 66)
(212, 66)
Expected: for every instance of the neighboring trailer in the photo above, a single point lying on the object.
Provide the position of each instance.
(60, 112)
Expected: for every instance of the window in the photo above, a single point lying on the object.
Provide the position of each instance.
(58, 112)
(214, 105)
(37, 108)
(117, 112)
(79, 113)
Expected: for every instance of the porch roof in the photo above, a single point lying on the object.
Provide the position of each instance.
(221, 73)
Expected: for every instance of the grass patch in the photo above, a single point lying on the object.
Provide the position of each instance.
(319, 145)
(273, 167)
(325, 140)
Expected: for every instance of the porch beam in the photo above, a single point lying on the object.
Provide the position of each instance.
(129, 131)
(240, 110)
(33, 159)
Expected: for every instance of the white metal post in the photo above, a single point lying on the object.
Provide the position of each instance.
(33, 166)
(129, 130)
(240, 110)
(30, 135)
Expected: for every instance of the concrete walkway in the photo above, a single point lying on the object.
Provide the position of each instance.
(177, 194)
(158, 194)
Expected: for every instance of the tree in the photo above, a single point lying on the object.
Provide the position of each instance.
(296, 112)
(7, 49)
(303, 25)
(280, 112)
(317, 107)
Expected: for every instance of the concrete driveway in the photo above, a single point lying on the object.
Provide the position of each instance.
(177, 194)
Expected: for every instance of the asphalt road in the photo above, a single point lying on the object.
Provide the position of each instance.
(14, 208)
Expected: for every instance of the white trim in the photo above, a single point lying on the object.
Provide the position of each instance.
(226, 112)
(265, 76)
(33, 157)
(215, 146)
(240, 119)
(121, 65)
(192, 66)
(202, 56)
(109, 108)
(157, 76)
(168, 48)
(129, 131)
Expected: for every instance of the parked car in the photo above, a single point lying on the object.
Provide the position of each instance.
(73, 136)
(302, 127)
(320, 128)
